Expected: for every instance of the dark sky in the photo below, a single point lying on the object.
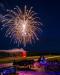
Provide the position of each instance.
(49, 12)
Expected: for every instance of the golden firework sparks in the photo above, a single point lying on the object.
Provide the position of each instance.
(22, 26)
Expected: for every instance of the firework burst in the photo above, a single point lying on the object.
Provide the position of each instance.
(21, 26)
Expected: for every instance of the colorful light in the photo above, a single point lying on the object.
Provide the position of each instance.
(21, 26)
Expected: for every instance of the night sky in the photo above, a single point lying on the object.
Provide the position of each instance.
(49, 12)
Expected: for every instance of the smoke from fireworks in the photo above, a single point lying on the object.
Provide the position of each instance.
(21, 26)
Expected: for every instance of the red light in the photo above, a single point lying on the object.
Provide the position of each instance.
(24, 54)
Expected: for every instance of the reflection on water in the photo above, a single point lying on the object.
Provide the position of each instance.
(33, 68)
(31, 73)
(37, 73)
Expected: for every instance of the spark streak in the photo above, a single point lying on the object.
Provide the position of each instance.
(22, 26)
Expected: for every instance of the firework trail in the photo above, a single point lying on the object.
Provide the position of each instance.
(21, 26)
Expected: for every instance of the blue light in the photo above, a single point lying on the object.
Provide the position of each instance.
(43, 61)
(8, 71)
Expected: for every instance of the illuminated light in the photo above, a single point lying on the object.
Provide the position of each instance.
(36, 64)
(53, 57)
(8, 71)
(21, 26)
(43, 61)
(24, 54)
